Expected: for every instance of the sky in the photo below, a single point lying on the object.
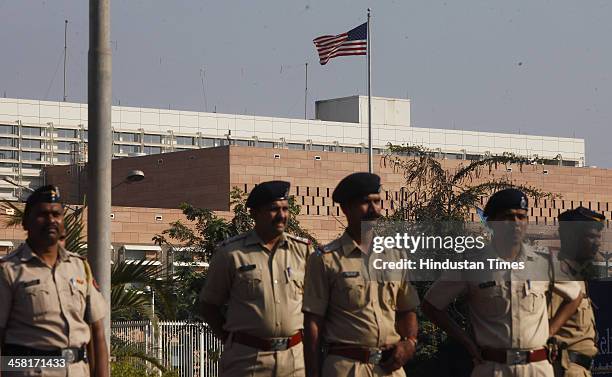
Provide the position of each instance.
(538, 67)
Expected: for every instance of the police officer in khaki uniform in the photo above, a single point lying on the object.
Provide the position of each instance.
(50, 306)
(580, 234)
(367, 322)
(259, 275)
(508, 311)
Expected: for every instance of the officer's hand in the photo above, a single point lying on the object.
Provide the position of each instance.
(402, 352)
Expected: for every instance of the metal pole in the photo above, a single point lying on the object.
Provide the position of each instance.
(100, 148)
(369, 50)
(65, 50)
(306, 91)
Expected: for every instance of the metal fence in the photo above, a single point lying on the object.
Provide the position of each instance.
(190, 349)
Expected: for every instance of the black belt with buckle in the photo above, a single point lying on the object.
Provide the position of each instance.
(72, 354)
(578, 358)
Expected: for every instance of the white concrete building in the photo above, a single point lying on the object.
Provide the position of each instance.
(37, 133)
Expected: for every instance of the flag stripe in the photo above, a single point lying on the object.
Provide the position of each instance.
(353, 42)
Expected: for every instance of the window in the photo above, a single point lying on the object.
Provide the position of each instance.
(265, 144)
(7, 142)
(350, 149)
(330, 148)
(7, 165)
(32, 156)
(129, 149)
(152, 150)
(8, 155)
(207, 143)
(29, 166)
(65, 145)
(316, 147)
(126, 136)
(7, 129)
(66, 133)
(85, 135)
(152, 139)
(296, 146)
(219, 142)
(64, 158)
(30, 131)
(135, 254)
(185, 140)
(26, 143)
(242, 143)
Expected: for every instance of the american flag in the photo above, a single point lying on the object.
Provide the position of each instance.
(354, 42)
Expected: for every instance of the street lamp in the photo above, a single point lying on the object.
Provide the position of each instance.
(132, 176)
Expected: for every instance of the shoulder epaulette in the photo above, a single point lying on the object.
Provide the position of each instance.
(300, 239)
(334, 245)
(227, 241)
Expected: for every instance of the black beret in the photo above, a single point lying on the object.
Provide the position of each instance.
(267, 192)
(506, 199)
(356, 185)
(582, 214)
(44, 194)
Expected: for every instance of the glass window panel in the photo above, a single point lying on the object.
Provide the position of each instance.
(32, 156)
(185, 140)
(8, 155)
(7, 129)
(265, 144)
(26, 143)
(152, 139)
(207, 143)
(62, 132)
(316, 147)
(31, 131)
(64, 158)
(152, 150)
(296, 146)
(7, 142)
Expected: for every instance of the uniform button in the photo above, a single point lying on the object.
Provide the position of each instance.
(275, 281)
(278, 301)
(277, 323)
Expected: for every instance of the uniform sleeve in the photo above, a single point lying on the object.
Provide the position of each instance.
(568, 289)
(316, 287)
(6, 298)
(216, 290)
(446, 289)
(408, 298)
(98, 307)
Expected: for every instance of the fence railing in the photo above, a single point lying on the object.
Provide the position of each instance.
(189, 348)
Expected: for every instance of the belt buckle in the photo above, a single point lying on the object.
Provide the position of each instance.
(514, 357)
(279, 344)
(375, 357)
(69, 355)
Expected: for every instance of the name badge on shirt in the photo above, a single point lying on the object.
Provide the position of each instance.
(487, 284)
(31, 283)
(350, 274)
(246, 267)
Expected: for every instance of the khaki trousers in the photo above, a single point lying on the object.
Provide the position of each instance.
(491, 369)
(338, 366)
(239, 360)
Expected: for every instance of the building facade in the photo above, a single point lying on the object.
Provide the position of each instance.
(34, 134)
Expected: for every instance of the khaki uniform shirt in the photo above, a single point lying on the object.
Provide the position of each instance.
(579, 332)
(263, 289)
(44, 307)
(357, 302)
(507, 310)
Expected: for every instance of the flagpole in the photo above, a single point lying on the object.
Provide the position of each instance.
(370, 154)
(306, 91)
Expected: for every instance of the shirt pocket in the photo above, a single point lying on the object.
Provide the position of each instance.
(249, 284)
(533, 296)
(77, 299)
(351, 292)
(490, 301)
(296, 282)
(37, 299)
(389, 294)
